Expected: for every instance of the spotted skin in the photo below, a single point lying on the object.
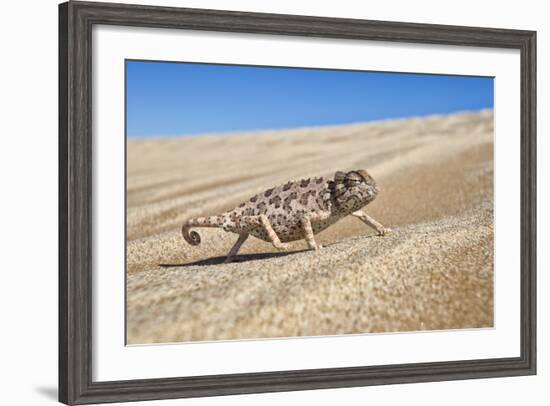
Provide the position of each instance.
(295, 211)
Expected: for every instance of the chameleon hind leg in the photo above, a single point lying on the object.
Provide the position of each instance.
(309, 236)
(368, 220)
(263, 222)
(235, 249)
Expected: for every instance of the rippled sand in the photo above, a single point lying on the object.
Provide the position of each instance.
(434, 272)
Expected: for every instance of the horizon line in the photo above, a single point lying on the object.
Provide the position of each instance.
(230, 133)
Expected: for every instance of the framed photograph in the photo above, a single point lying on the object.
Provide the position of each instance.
(257, 202)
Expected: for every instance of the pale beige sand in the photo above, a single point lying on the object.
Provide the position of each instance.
(434, 272)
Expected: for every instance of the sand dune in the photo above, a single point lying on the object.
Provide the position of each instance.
(434, 272)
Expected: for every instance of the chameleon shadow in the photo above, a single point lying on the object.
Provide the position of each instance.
(238, 258)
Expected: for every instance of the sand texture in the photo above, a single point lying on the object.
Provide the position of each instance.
(435, 271)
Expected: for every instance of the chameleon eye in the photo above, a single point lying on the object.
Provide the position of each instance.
(352, 182)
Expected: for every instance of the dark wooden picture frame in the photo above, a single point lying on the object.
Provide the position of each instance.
(76, 20)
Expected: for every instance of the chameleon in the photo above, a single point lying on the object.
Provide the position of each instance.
(294, 211)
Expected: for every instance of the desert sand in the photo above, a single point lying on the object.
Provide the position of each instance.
(434, 272)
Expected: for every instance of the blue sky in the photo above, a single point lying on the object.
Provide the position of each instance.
(166, 98)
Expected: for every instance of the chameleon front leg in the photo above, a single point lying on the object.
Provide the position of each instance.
(368, 220)
(308, 229)
(236, 247)
(263, 221)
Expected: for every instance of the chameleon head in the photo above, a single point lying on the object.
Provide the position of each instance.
(357, 187)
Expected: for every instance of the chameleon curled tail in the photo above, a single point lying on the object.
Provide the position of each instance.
(191, 236)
